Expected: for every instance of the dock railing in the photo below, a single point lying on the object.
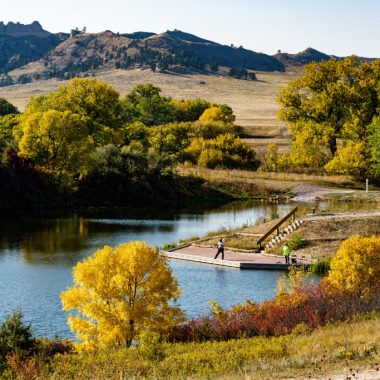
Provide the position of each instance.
(292, 214)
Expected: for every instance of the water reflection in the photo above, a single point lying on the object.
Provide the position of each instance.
(65, 241)
(46, 241)
(37, 256)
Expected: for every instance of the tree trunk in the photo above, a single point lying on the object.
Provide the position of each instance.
(333, 146)
(132, 332)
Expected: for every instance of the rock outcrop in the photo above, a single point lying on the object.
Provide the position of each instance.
(20, 30)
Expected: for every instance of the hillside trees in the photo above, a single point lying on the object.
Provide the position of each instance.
(119, 293)
(328, 110)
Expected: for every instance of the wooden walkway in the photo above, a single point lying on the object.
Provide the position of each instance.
(232, 258)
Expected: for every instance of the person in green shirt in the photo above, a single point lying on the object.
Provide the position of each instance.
(286, 251)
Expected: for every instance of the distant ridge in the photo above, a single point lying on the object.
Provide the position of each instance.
(21, 30)
(302, 58)
(175, 50)
(291, 61)
(28, 52)
(20, 44)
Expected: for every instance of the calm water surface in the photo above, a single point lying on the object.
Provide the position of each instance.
(37, 256)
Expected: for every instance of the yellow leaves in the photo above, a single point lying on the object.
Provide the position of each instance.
(94, 102)
(309, 146)
(120, 292)
(290, 283)
(356, 265)
(333, 101)
(221, 113)
(349, 159)
(225, 150)
(54, 140)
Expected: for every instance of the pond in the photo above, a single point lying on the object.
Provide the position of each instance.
(37, 256)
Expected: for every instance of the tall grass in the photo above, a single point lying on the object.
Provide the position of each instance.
(235, 175)
(321, 267)
(302, 353)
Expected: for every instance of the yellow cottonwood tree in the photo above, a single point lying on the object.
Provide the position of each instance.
(95, 102)
(119, 293)
(350, 158)
(356, 265)
(220, 112)
(55, 140)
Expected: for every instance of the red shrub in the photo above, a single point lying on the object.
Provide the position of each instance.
(311, 306)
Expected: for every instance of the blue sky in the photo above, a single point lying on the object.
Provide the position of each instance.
(339, 27)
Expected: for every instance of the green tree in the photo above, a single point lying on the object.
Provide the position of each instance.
(374, 146)
(120, 293)
(144, 103)
(95, 102)
(7, 123)
(170, 140)
(340, 97)
(55, 140)
(189, 109)
(136, 132)
(7, 108)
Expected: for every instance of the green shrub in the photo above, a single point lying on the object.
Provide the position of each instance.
(15, 337)
(296, 242)
(211, 130)
(168, 246)
(322, 267)
(152, 346)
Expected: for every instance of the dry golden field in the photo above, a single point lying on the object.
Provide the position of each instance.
(254, 102)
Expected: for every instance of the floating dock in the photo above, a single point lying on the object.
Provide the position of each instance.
(233, 258)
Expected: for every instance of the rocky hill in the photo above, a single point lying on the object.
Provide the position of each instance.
(169, 51)
(302, 58)
(298, 60)
(20, 30)
(28, 52)
(20, 44)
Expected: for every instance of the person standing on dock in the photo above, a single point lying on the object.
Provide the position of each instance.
(220, 249)
(286, 251)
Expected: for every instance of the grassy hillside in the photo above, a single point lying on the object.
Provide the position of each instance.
(254, 102)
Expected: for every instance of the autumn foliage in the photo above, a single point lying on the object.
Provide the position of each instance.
(119, 293)
(356, 265)
(351, 287)
(305, 309)
(331, 112)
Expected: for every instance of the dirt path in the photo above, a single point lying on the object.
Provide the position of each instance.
(307, 193)
(344, 215)
(359, 374)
